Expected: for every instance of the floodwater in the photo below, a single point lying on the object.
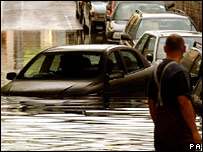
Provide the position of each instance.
(68, 124)
(85, 124)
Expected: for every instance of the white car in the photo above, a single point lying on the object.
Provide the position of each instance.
(151, 43)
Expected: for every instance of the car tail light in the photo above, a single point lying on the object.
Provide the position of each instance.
(95, 15)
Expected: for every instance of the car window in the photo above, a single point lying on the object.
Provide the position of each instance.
(130, 7)
(133, 28)
(198, 89)
(189, 59)
(189, 41)
(65, 65)
(131, 60)
(163, 24)
(196, 66)
(149, 47)
(55, 63)
(160, 53)
(35, 67)
(129, 24)
(140, 44)
(114, 62)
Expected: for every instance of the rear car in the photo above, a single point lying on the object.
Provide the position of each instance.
(151, 43)
(123, 11)
(92, 15)
(192, 61)
(142, 21)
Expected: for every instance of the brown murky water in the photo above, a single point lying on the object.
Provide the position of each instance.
(70, 124)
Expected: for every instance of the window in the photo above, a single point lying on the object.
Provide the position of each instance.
(189, 59)
(163, 24)
(65, 65)
(196, 67)
(160, 54)
(149, 47)
(140, 44)
(130, 60)
(134, 26)
(35, 68)
(113, 62)
(130, 23)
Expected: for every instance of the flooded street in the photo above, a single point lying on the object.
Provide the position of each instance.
(85, 124)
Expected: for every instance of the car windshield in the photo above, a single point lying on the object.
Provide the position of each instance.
(64, 65)
(164, 24)
(189, 41)
(125, 10)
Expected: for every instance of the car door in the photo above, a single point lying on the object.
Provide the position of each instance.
(130, 30)
(192, 61)
(118, 87)
(149, 48)
(141, 43)
(137, 73)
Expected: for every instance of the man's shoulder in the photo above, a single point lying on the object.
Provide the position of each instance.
(174, 68)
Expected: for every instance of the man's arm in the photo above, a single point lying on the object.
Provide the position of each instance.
(189, 116)
(152, 108)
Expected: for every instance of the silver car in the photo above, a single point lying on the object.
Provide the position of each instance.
(123, 11)
(151, 43)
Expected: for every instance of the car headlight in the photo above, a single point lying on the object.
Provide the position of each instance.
(117, 35)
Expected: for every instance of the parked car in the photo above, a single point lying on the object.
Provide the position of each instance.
(82, 70)
(142, 21)
(197, 103)
(91, 14)
(123, 11)
(151, 43)
(192, 61)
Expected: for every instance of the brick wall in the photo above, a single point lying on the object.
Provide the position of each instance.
(193, 9)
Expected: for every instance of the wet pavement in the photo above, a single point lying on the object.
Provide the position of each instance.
(28, 27)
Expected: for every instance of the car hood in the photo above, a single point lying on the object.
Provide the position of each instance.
(118, 25)
(99, 7)
(47, 88)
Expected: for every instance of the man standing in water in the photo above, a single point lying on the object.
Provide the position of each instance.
(169, 99)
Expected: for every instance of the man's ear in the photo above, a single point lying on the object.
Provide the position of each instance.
(184, 49)
(165, 48)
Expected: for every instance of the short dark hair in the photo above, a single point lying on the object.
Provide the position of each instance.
(174, 42)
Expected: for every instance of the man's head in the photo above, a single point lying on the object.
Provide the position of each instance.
(174, 44)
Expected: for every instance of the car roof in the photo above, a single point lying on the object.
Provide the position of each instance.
(151, 2)
(161, 15)
(165, 33)
(83, 47)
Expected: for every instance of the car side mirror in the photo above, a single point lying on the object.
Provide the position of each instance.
(11, 75)
(149, 57)
(125, 37)
(116, 74)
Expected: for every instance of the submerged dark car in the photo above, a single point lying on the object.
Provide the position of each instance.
(82, 70)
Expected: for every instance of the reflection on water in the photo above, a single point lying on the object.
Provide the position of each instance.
(68, 124)
(18, 47)
(75, 124)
